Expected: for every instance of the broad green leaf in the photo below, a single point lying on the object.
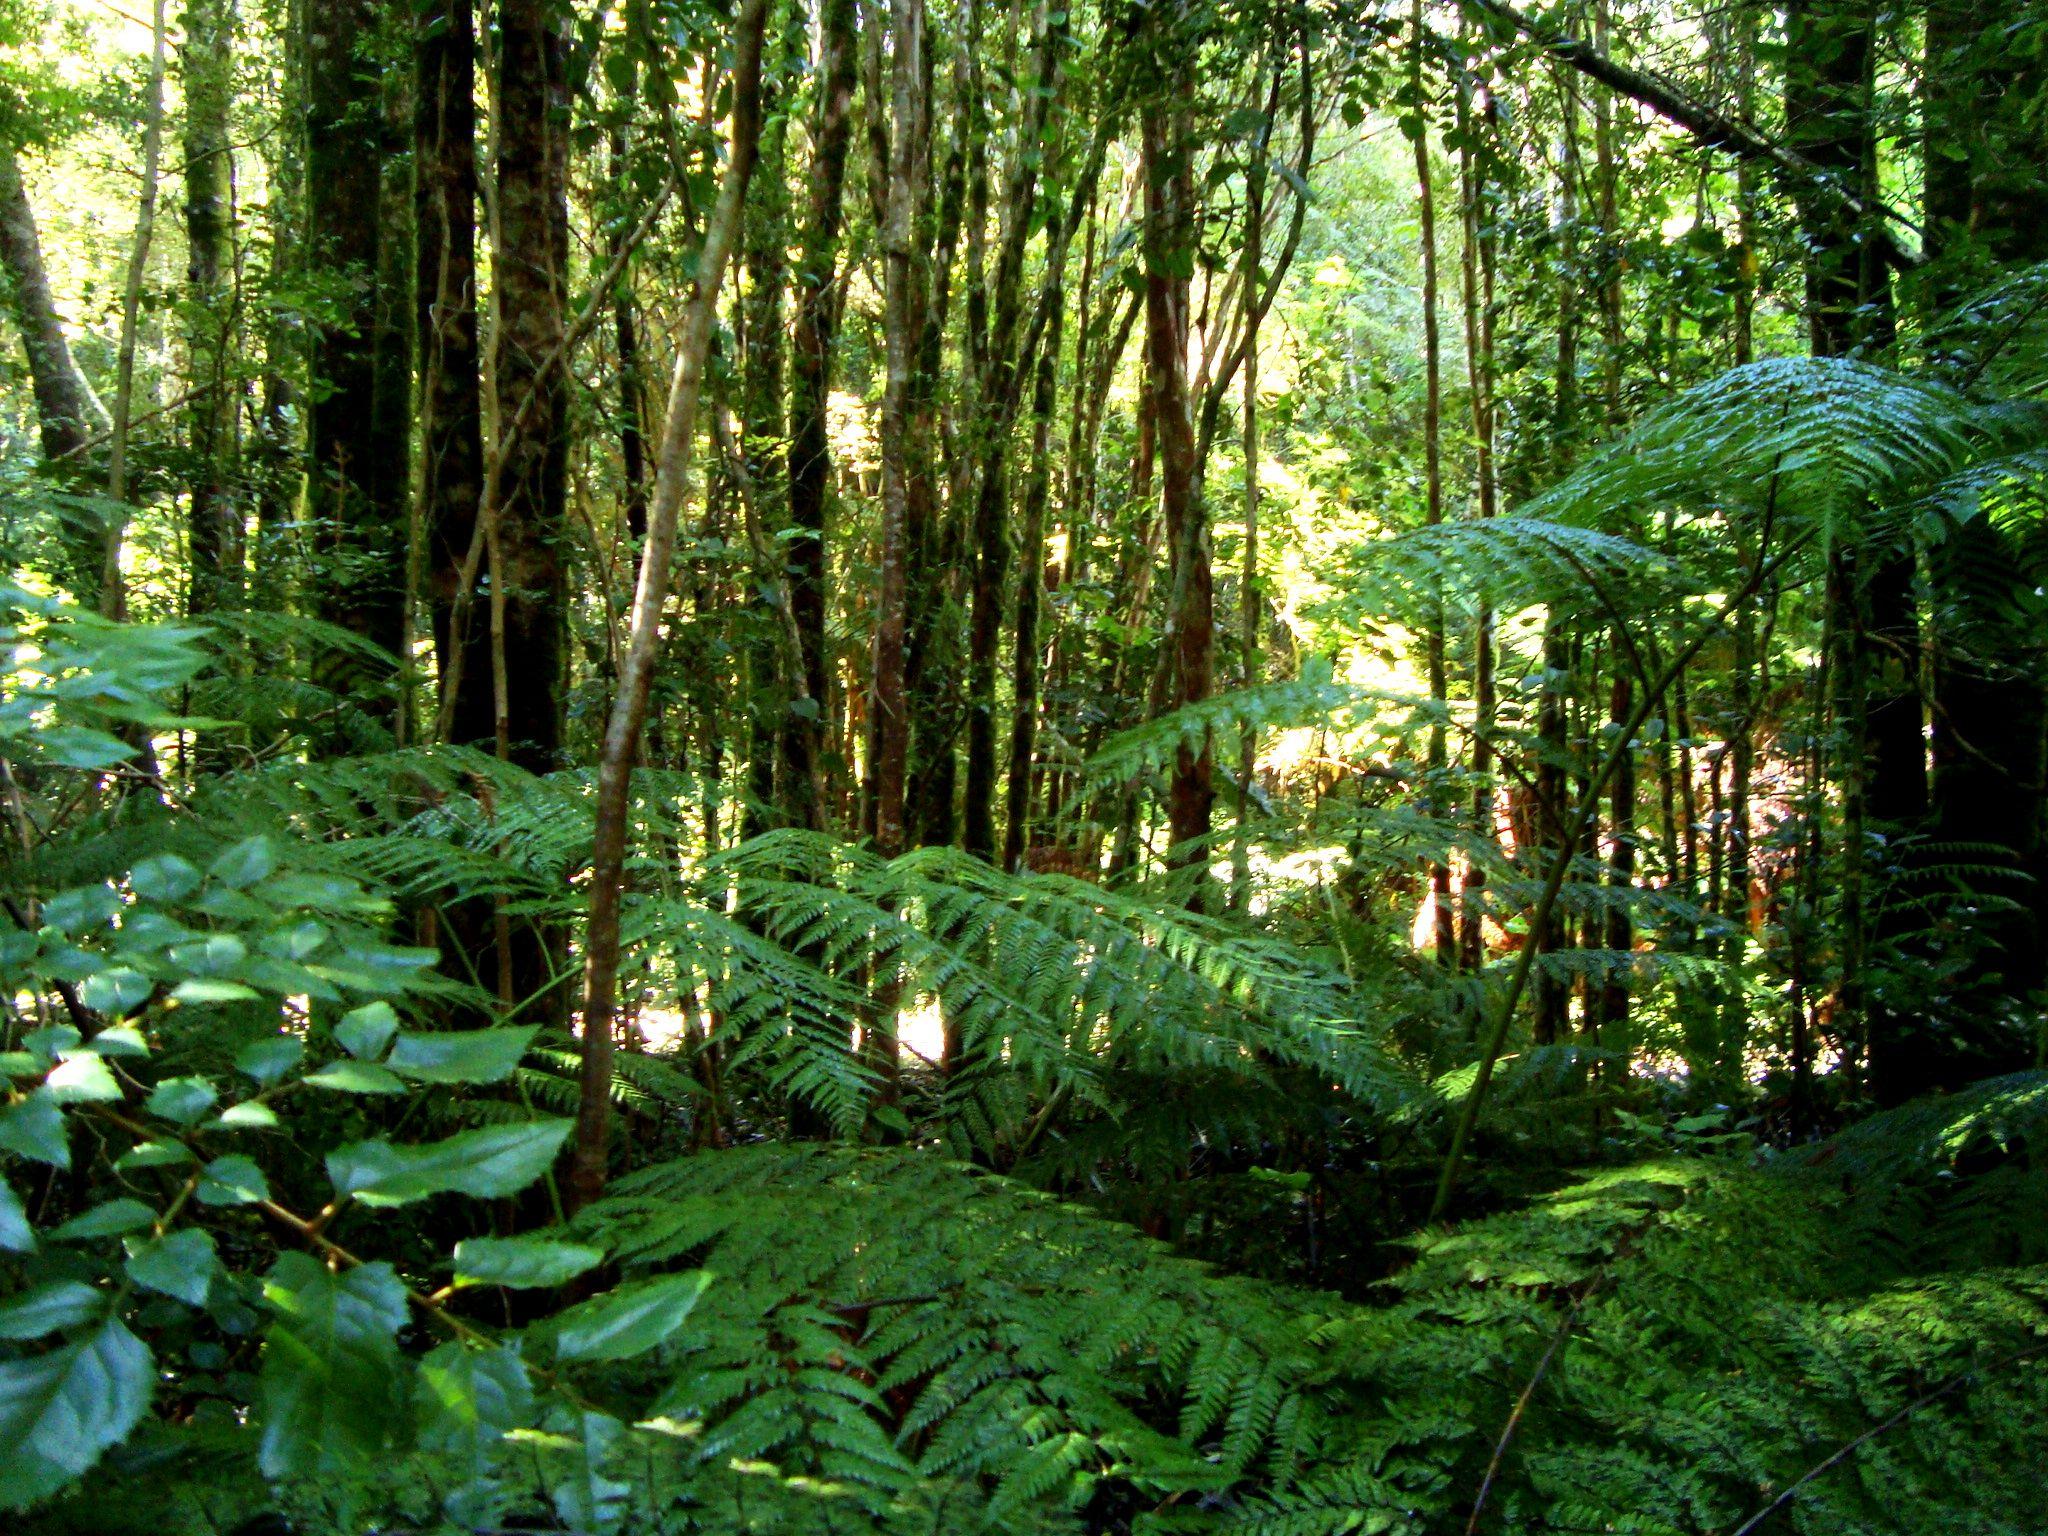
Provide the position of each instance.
(121, 1040)
(114, 992)
(109, 1219)
(178, 1264)
(247, 1117)
(153, 1154)
(232, 1180)
(201, 990)
(77, 746)
(82, 1080)
(628, 1321)
(245, 863)
(268, 1060)
(332, 1391)
(460, 1056)
(16, 1236)
(182, 1099)
(467, 1398)
(60, 1412)
(496, 1161)
(49, 1308)
(365, 1031)
(355, 1077)
(524, 1262)
(218, 954)
(53, 1041)
(164, 878)
(34, 1128)
(584, 1498)
(89, 906)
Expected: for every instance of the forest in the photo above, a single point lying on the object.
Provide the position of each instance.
(920, 767)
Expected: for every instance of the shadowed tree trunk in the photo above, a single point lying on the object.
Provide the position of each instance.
(64, 402)
(214, 521)
(361, 537)
(1169, 263)
(813, 334)
(590, 1157)
(530, 587)
(450, 399)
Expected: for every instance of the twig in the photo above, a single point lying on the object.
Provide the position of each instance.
(1828, 1464)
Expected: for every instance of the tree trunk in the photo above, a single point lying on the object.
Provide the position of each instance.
(1169, 263)
(450, 393)
(530, 262)
(811, 350)
(636, 666)
(361, 538)
(214, 521)
(64, 403)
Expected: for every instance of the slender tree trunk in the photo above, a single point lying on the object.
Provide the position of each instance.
(1002, 383)
(214, 521)
(1169, 260)
(673, 474)
(450, 390)
(1250, 602)
(811, 349)
(1030, 592)
(112, 586)
(1476, 273)
(763, 447)
(64, 402)
(1443, 919)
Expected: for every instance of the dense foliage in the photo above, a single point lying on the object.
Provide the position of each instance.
(1299, 785)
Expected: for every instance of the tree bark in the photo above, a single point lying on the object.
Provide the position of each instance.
(673, 475)
(1169, 263)
(530, 262)
(450, 388)
(214, 521)
(64, 403)
(811, 352)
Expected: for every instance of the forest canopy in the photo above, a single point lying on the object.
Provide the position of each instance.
(907, 767)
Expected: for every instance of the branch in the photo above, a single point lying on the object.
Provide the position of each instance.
(1711, 127)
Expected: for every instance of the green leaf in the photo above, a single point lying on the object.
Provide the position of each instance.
(464, 1056)
(467, 1398)
(182, 1099)
(34, 1128)
(121, 1040)
(522, 1262)
(200, 990)
(109, 1219)
(16, 1236)
(82, 1080)
(232, 1180)
(355, 1077)
(247, 1117)
(114, 992)
(49, 1308)
(60, 1412)
(76, 746)
(331, 1385)
(630, 1320)
(268, 1060)
(365, 1031)
(584, 1498)
(179, 1264)
(164, 878)
(153, 1154)
(496, 1161)
(245, 863)
(88, 906)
